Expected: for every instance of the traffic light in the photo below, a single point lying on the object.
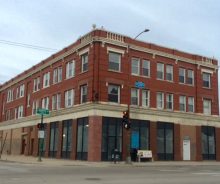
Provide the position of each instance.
(40, 126)
(125, 120)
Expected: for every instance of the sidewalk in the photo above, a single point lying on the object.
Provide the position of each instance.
(61, 162)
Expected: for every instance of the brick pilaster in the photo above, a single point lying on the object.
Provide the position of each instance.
(177, 143)
(60, 138)
(153, 139)
(198, 144)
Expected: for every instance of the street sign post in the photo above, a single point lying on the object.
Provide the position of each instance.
(41, 112)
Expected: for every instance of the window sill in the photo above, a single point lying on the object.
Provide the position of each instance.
(45, 87)
(192, 85)
(206, 88)
(82, 72)
(114, 71)
(160, 79)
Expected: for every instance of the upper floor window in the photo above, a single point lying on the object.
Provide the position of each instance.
(57, 75)
(69, 98)
(190, 77)
(70, 69)
(56, 101)
(20, 111)
(114, 93)
(114, 61)
(206, 77)
(160, 71)
(207, 106)
(169, 72)
(191, 104)
(36, 84)
(84, 93)
(46, 80)
(169, 101)
(85, 61)
(45, 103)
(21, 91)
(35, 106)
(160, 100)
(145, 98)
(134, 96)
(182, 75)
(10, 95)
(135, 66)
(182, 102)
(146, 68)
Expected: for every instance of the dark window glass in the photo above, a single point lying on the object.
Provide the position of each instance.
(182, 75)
(67, 139)
(114, 61)
(206, 80)
(111, 137)
(208, 143)
(113, 93)
(82, 138)
(53, 139)
(85, 62)
(165, 141)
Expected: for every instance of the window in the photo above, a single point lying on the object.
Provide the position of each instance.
(84, 58)
(208, 143)
(36, 84)
(17, 93)
(57, 75)
(46, 80)
(169, 101)
(10, 95)
(114, 93)
(146, 68)
(145, 98)
(21, 92)
(28, 99)
(182, 74)
(169, 72)
(190, 77)
(207, 106)
(182, 102)
(67, 139)
(206, 77)
(20, 111)
(45, 103)
(54, 136)
(35, 106)
(84, 93)
(56, 102)
(160, 71)
(114, 61)
(160, 100)
(70, 69)
(134, 96)
(191, 104)
(135, 64)
(69, 98)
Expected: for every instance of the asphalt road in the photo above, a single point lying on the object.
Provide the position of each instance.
(16, 173)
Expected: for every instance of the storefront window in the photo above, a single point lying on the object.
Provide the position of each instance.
(53, 139)
(67, 139)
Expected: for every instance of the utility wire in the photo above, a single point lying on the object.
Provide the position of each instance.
(27, 46)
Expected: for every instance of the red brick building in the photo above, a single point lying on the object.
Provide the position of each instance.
(172, 97)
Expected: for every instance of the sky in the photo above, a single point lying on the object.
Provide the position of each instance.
(191, 25)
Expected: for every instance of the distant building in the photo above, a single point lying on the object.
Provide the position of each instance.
(172, 97)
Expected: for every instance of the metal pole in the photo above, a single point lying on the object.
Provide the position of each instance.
(40, 141)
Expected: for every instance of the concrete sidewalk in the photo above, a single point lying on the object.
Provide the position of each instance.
(62, 162)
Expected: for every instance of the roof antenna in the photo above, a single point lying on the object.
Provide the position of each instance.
(93, 26)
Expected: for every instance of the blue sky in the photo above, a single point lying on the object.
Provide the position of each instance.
(189, 25)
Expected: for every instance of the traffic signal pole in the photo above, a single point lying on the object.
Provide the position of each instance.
(128, 157)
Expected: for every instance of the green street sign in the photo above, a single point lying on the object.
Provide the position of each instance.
(43, 111)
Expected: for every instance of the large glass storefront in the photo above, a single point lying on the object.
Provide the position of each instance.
(53, 139)
(208, 143)
(111, 137)
(165, 148)
(82, 138)
(67, 139)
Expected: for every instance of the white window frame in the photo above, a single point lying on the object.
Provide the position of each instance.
(9, 95)
(28, 100)
(209, 79)
(182, 100)
(35, 106)
(69, 98)
(45, 103)
(168, 101)
(70, 69)
(20, 111)
(132, 96)
(160, 68)
(160, 100)
(190, 72)
(145, 99)
(135, 65)
(169, 70)
(21, 91)
(207, 106)
(84, 62)
(57, 75)
(118, 88)
(46, 80)
(118, 62)
(184, 75)
(147, 68)
(191, 102)
(83, 91)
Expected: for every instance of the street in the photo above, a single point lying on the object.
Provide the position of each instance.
(15, 173)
